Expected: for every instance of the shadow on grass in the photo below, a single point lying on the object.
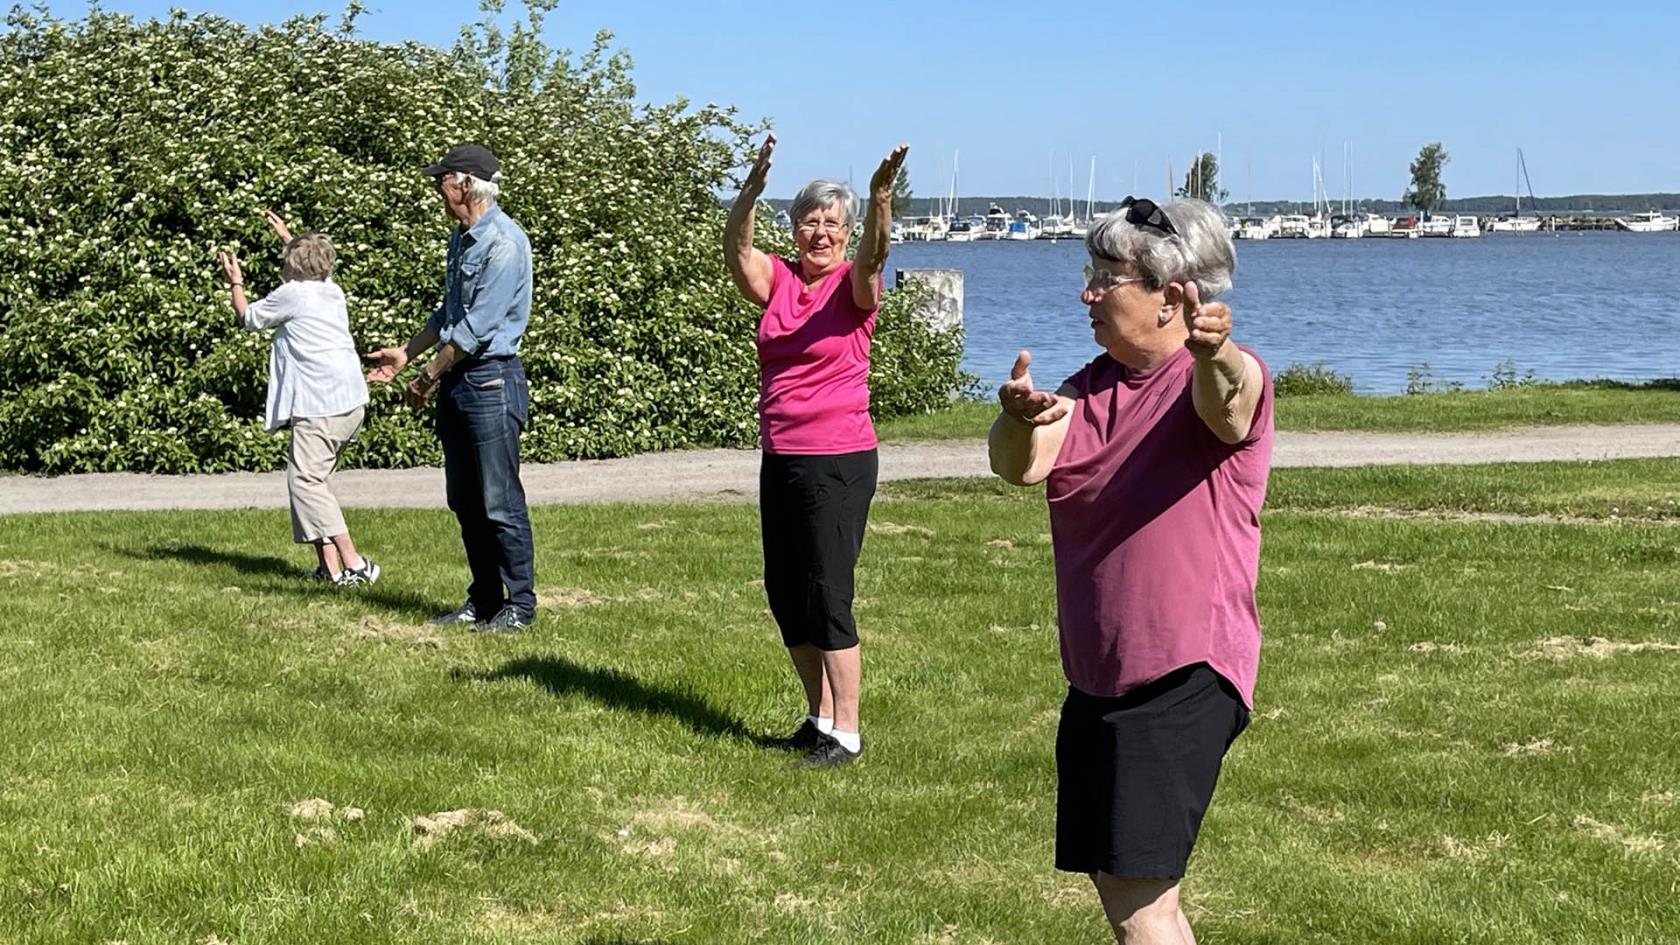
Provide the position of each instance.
(283, 576)
(620, 690)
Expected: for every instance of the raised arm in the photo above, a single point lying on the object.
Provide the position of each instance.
(236, 284)
(1028, 434)
(279, 225)
(750, 269)
(1226, 383)
(871, 257)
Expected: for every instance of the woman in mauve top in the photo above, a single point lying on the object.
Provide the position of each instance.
(818, 471)
(1156, 456)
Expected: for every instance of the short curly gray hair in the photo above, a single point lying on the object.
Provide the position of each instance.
(1200, 250)
(308, 257)
(822, 194)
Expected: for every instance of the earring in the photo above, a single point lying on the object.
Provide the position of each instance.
(1165, 316)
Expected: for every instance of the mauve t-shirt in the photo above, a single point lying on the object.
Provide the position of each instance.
(813, 365)
(1155, 524)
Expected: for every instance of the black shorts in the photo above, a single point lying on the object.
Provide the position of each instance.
(813, 511)
(1135, 772)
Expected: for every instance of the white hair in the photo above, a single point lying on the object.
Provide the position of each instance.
(479, 190)
(1200, 251)
(822, 194)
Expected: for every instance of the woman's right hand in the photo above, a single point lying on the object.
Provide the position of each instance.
(279, 225)
(1019, 400)
(760, 172)
(387, 363)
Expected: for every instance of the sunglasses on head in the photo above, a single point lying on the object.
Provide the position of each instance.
(1146, 212)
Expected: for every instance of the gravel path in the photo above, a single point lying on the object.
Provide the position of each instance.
(733, 474)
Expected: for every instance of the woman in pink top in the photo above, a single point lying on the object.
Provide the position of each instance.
(818, 472)
(1156, 456)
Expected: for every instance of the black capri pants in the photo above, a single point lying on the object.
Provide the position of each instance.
(813, 511)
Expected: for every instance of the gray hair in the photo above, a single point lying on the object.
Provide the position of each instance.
(308, 257)
(822, 194)
(479, 190)
(1199, 252)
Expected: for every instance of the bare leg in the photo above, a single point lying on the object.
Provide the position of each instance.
(842, 670)
(346, 550)
(1143, 911)
(1184, 928)
(325, 551)
(808, 663)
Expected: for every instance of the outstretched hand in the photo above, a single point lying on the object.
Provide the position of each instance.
(881, 182)
(760, 172)
(230, 267)
(279, 225)
(1020, 401)
(1209, 324)
(387, 363)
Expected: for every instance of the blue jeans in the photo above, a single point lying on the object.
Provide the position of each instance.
(481, 410)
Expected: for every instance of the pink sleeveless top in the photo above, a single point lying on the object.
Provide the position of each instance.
(813, 365)
(1155, 525)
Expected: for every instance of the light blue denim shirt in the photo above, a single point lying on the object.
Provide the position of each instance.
(486, 287)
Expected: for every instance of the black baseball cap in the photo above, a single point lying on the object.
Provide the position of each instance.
(474, 159)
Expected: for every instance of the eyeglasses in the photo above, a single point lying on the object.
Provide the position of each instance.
(1101, 280)
(1146, 212)
(831, 227)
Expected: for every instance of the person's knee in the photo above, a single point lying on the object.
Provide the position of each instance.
(1138, 904)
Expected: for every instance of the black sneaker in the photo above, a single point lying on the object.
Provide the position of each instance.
(356, 577)
(803, 740)
(510, 620)
(829, 753)
(462, 614)
(321, 575)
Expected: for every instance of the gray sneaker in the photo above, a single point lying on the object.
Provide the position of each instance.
(356, 577)
(509, 620)
(460, 615)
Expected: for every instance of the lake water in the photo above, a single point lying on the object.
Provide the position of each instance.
(1567, 306)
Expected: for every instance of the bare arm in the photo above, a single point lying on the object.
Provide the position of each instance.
(1227, 382)
(236, 283)
(750, 269)
(1028, 433)
(873, 244)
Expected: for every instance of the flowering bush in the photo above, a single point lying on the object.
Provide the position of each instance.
(130, 152)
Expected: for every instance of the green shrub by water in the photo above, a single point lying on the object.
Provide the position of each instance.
(1302, 379)
(130, 152)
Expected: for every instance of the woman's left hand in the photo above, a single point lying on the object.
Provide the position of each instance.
(1209, 324)
(881, 183)
(230, 267)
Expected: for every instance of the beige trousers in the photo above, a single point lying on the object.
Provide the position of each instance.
(316, 445)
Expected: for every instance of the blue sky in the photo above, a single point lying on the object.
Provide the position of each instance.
(1586, 90)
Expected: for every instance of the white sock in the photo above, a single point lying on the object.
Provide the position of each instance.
(851, 741)
(823, 723)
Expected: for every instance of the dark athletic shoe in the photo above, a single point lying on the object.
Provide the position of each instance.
(321, 575)
(829, 753)
(510, 620)
(803, 740)
(356, 577)
(462, 614)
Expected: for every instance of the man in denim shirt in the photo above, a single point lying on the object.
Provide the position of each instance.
(483, 400)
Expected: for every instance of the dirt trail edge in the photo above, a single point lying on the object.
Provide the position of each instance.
(733, 474)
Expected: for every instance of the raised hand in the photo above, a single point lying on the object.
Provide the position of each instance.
(280, 228)
(1209, 324)
(761, 168)
(387, 363)
(230, 267)
(881, 182)
(1020, 401)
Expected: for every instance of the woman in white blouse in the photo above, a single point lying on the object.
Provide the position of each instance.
(315, 386)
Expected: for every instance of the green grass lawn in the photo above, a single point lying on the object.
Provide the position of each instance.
(1531, 405)
(1464, 731)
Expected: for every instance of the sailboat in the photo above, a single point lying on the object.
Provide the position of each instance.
(1518, 223)
(1081, 228)
(1651, 221)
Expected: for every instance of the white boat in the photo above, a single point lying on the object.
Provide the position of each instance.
(896, 235)
(1435, 227)
(1376, 224)
(1517, 223)
(965, 230)
(1465, 226)
(997, 224)
(1025, 226)
(1651, 221)
(1347, 228)
(1255, 228)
